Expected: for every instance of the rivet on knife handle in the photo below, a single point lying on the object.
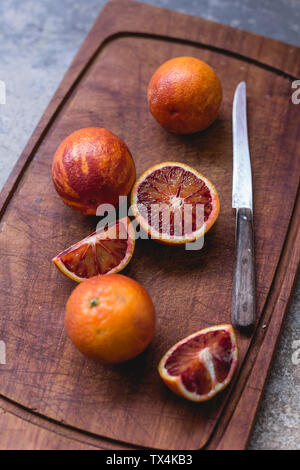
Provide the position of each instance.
(243, 311)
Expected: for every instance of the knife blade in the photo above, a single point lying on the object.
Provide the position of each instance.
(243, 310)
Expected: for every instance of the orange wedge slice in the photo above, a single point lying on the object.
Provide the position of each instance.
(202, 364)
(103, 252)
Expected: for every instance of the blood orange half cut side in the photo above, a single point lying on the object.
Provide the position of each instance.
(102, 252)
(174, 203)
(202, 364)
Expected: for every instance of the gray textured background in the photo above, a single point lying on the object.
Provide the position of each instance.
(39, 38)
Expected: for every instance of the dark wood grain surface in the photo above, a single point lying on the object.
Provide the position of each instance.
(106, 86)
(243, 308)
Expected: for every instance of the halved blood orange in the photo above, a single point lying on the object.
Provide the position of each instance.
(202, 364)
(102, 252)
(165, 202)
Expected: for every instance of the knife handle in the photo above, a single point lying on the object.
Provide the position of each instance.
(243, 311)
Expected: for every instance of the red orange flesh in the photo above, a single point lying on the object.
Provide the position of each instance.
(202, 364)
(174, 203)
(102, 252)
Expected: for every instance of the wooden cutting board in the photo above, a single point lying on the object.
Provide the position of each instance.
(46, 382)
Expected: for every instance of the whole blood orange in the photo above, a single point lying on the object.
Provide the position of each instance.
(184, 95)
(201, 365)
(103, 252)
(110, 318)
(92, 166)
(174, 203)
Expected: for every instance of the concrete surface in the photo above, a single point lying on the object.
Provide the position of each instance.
(38, 39)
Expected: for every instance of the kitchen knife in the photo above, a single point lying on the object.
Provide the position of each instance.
(243, 311)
